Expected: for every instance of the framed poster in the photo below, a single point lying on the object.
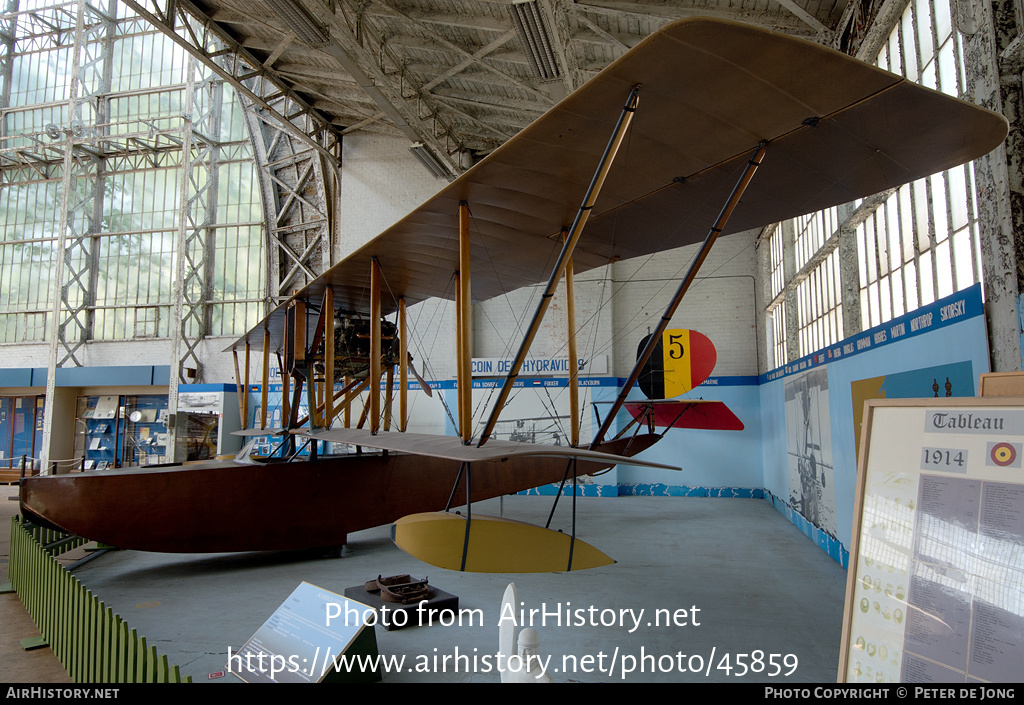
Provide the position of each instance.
(935, 586)
(1001, 384)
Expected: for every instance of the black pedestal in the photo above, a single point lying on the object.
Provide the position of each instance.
(394, 615)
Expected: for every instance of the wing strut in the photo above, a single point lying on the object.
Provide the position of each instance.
(684, 285)
(375, 346)
(266, 378)
(327, 311)
(346, 392)
(403, 368)
(574, 363)
(464, 324)
(625, 118)
(245, 383)
(463, 468)
(286, 379)
(469, 518)
(572, 540)
(242, 388)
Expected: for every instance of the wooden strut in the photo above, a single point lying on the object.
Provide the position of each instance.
(327, 311)
(245, 385)
(684, 285)
(365, 413)
(285, 391)
(388, 396)
(351, 390)
(296, 399)
(403, 368)
(460, 384)
(464, 318)
(240, 390)
(285, 402)
(347, 405)
(266, 379)
(294, 347)
(375, 346)
(295, 355)
(574, 363)
(304, 368)
(572, 539)
(618, 135)
(323, 333)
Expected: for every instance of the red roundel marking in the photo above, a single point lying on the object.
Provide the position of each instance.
(1003, 454)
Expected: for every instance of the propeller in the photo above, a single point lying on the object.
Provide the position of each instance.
(423, 383)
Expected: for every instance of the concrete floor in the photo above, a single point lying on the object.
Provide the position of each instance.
(759, 585)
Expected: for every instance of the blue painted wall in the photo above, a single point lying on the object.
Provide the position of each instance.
(947, 338)
(713, 463)
(949, 334)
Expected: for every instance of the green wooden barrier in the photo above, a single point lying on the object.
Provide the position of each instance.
(92, 643)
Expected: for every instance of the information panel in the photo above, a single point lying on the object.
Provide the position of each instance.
(306, 641)
(935, 589)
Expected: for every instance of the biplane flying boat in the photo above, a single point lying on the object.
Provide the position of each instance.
(698, 107)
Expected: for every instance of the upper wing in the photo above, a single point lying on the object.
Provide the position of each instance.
(838, 129)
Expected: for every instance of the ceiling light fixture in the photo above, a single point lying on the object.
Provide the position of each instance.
(429, 161)
(534, 36)
(298, 20)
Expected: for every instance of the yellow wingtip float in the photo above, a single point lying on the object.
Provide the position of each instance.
(495, 545)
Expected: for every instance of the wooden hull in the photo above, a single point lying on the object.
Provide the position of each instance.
(227, 506)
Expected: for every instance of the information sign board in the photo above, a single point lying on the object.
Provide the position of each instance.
(935, 588)
(314, 636)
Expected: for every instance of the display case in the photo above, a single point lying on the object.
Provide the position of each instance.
(207, 416)
(21, 431)
(146, 431)
(121, 431)
(98, 432)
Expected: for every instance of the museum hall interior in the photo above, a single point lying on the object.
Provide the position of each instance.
(512, 341)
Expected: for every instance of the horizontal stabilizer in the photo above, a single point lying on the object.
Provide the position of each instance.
(700, 414)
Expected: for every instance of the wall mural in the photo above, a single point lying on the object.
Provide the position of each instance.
(809, 449)
(953, 380)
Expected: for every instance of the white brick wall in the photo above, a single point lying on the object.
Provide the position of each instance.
(380, 182)
(218, 366)
(720, 304)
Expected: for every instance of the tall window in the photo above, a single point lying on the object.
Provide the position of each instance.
(819, 301)
(135, 115)
(777, 347)
(920, 244)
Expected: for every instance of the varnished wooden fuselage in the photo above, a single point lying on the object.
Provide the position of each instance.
(228, 506)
